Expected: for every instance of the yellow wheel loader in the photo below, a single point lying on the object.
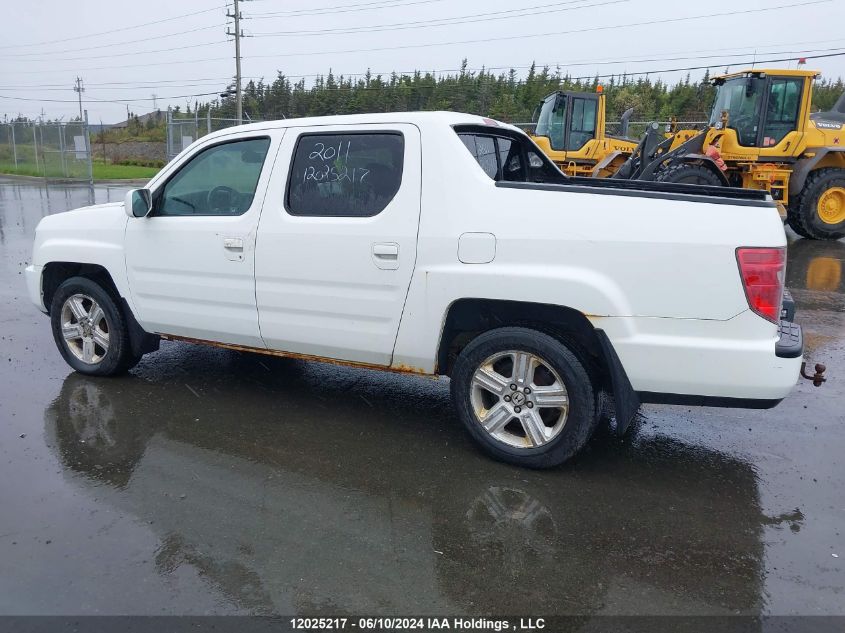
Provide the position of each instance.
(570, 129)
(761, 135)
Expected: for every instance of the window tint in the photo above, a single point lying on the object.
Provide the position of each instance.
(508, 159)
(354, 175)
(484, 150)
(781, 110)
(220, 180)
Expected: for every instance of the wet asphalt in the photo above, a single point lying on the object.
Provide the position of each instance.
(213, 482)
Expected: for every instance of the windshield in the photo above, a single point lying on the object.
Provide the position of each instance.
(550, 122)
(740, 97)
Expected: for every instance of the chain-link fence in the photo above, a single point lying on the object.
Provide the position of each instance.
(52, 149)
(184, 130)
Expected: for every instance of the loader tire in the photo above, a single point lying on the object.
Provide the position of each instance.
(689, 174)
(792, 220)
(820, 210)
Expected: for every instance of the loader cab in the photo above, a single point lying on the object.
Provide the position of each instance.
(569, 120)
(762, 109)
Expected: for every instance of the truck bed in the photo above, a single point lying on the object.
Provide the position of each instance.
(647, 189)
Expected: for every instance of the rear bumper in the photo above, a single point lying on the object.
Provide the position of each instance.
(33, 286)
(742, 362)
(790, 345)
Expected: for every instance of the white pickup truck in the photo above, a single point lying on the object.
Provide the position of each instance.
(434, 243)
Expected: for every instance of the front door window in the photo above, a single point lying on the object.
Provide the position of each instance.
(219, 180)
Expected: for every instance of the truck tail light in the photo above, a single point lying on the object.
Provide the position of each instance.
(762, 271)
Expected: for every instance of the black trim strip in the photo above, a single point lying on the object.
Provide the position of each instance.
(641, 189)
(651, 397)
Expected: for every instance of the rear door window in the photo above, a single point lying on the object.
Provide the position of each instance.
(351, 175)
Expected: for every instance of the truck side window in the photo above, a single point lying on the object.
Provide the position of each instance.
(507, 159)
(483, 148)
(345, 175)
(511, 160)
(219, 180)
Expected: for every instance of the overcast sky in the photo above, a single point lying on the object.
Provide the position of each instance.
(47, 43)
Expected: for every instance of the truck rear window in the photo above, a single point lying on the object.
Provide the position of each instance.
(353, 175)
(509, 158)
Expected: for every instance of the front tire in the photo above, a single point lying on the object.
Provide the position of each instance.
(90, 330)
(524, 396)
(818, 212)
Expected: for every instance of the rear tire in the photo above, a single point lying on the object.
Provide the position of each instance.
(524, 396)
(90, 330)
(689, 174)
(818, 212)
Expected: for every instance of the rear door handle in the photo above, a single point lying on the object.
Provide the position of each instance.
(386, 255)
(234, 247)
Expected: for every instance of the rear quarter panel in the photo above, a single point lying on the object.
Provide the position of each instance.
(604, 255)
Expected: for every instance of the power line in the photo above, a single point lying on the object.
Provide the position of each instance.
(122, 83)
(120, 66)
(120, 101)
(485, 40)
(129, 54)
(647, 72)
(549, 34)
(669, 56)
(117, 30)
(455, 86)
(351, 8)
(463, 19)
(99, 46)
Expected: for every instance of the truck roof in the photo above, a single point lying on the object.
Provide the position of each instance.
(426, 118)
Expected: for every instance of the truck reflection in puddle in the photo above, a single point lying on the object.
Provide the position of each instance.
(283, 485)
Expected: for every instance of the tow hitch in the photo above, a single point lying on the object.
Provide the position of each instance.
(818, 377)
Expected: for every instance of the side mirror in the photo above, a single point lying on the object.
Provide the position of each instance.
(138, 203)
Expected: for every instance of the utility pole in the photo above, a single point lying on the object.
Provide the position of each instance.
(155, 101)
(238, 34)
(79, 88)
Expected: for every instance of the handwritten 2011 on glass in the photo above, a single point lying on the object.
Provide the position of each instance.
(331, 164)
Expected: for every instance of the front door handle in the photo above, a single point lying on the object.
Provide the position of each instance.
(386, 255)
(234, 247)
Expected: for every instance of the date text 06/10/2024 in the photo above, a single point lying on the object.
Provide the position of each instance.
(417, 624)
